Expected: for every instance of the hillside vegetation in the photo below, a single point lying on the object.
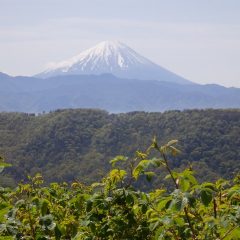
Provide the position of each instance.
(112, 209)
(69, 145)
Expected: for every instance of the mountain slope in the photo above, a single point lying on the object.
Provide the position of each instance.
(115, 58)
(78, 144)
(110, 93)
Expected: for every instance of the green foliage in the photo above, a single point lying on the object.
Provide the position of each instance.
(3, 164)
(66, 145)
(114, 209)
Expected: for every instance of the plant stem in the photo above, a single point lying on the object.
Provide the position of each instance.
(189, 223)
(169, 170)
(215, 207)
(31, 222)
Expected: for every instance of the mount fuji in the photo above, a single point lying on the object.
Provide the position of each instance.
(113, 77)
(115, 58)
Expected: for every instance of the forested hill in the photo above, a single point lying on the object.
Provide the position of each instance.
(78, 144)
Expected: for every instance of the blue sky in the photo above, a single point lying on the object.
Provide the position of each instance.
(199, 40)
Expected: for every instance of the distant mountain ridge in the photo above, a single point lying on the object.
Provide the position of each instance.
(113, 77)
(28, 94)
(115, 58)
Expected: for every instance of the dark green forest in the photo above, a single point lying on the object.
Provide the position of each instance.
(68, 145)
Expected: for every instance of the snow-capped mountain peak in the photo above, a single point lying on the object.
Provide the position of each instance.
(111, 54)
(111, 57)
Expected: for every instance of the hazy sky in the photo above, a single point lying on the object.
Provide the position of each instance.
(198, 39)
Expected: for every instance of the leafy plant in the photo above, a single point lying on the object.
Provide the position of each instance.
(114, 209)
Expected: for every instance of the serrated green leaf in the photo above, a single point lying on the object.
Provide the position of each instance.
(44, 207)
(206, 196)
(57, 232)
(172, 142)
(118, 159)
(149, 175)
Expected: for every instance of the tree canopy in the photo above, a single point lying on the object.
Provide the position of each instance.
(67, 145)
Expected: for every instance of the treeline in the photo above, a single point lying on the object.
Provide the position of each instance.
(68, 145)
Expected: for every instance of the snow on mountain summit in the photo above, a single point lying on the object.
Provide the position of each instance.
(111, 54)
(111, 57)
